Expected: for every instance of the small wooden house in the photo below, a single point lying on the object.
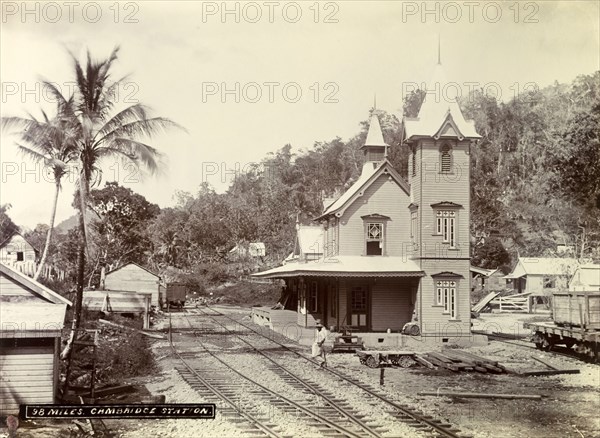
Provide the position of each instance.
(539, 276)
(252, 249)
(132, 277)
(32, 320)
(18, 253)
(487, 279)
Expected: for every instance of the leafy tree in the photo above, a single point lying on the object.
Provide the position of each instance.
(491, 254)
(120, 231)
(7, 226)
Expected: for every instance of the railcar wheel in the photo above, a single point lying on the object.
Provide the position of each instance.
(404, 362)
(372, 362)
(569, 343)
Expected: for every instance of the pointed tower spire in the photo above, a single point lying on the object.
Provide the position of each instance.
(375, 148)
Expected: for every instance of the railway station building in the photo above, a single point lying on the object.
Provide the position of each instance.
(389, 250)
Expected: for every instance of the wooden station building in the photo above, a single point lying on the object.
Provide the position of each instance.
(32, 319)
(394, 250)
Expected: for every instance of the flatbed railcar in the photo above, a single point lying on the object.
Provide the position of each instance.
(575, 323)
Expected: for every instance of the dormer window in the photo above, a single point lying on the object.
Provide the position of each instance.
(446, 159)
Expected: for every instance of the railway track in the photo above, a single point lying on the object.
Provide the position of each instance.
(332, 406)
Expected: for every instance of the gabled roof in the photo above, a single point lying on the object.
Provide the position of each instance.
(543, 266)
(367, 177)
(439, 116)
(16, 233)
(310, 239)
(133, 263)
(36, 287)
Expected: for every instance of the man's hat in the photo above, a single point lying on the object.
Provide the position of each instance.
(318, 323)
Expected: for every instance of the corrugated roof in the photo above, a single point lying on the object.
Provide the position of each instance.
(347, 266)
(310, 239)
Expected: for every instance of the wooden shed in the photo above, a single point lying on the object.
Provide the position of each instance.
(132, 277)
(32, 320)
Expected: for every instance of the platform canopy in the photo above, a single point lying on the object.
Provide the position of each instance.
(347, 266)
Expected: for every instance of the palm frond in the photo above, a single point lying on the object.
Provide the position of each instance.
(144, 128)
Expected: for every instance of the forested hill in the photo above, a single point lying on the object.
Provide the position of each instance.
(535, 186)
(535, 181)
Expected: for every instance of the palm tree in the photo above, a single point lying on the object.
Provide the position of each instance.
(49, 141)
(102, 135)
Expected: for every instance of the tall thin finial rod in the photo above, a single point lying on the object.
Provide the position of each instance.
(439, 50)
(374, 101)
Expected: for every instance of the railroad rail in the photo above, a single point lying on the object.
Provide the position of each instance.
(402, 413)
(345, 425)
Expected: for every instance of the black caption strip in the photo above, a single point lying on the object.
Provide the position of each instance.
(184, 410)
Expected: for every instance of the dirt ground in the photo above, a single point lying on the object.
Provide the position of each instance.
(568, 408)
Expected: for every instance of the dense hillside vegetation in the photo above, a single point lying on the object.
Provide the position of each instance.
(535, 186)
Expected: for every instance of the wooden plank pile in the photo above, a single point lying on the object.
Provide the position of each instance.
(459, 360)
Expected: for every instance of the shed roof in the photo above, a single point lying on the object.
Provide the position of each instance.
(483, 271)
(32, 285)
(347, 266)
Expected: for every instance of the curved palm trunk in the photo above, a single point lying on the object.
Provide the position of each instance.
(49, 234)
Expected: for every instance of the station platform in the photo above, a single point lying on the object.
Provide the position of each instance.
(285, 323)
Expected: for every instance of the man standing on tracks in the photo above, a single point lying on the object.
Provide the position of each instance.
(318, 348)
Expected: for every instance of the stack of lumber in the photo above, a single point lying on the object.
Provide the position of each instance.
(484, 302)
(459, 360)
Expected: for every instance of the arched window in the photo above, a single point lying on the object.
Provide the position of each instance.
(446, 159)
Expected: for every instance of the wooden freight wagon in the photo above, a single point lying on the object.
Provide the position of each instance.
(32, 320)
(577, 309)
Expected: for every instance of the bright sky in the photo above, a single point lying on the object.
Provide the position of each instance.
(245, 78)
